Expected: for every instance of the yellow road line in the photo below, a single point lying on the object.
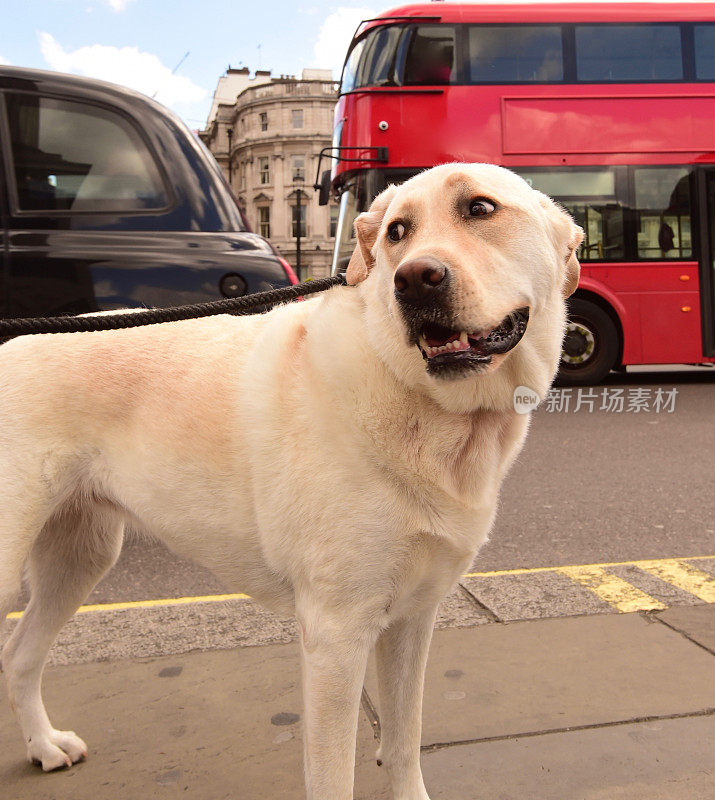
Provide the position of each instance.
(684, 576)
(614, 590)
(701, 581)
(529, 571)
(167, 601)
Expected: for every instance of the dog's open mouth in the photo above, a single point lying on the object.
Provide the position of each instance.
(447, 350)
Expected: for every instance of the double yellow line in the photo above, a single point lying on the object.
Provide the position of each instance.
(620, 594)
(617, 592)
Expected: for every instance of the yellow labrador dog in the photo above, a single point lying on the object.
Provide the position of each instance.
(338, 458)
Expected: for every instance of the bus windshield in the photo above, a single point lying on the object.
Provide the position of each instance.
(399, 55)
(359, 191)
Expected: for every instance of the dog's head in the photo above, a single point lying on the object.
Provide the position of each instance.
(465, 269)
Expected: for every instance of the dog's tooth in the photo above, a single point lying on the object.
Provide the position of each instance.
(463, 338)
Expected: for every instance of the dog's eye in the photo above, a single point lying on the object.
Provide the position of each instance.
(479, 207)
(395, 231)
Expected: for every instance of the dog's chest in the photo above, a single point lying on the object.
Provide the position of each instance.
(442, 455)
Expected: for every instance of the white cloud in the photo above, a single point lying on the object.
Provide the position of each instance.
(335, 36)
(127, 66)
(3, 60)
(118, 5)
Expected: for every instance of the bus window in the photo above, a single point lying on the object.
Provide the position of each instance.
(662, 197)
(705, 52)
(515, 54)
(590, 196)
(628, 53)
(350, 71)
(377, 67)
(430, 56)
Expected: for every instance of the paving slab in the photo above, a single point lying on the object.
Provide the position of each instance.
(550, 674)
(205, 726)
(698, 623)
(660, 760)
(226, 723)
(534, 596)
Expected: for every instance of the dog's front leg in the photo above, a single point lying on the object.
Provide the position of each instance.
(334, 656)
(401, 657)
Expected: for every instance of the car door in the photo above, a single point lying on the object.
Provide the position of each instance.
(75, 168)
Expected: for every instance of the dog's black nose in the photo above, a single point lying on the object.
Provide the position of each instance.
(420, 280)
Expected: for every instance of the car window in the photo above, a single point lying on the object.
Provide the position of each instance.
(72, 156)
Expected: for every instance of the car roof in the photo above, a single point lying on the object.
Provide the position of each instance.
(11, 76)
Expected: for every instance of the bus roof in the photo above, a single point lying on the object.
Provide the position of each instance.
(551, 12)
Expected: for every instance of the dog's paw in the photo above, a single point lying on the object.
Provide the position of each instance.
(58, 749)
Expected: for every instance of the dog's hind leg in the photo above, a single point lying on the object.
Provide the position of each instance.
(22, 515)
(76, 546)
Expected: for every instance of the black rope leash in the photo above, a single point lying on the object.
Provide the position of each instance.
(232, 305)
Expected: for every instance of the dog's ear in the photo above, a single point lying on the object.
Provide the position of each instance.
(568, 237)
(573, 268)
(367, 226)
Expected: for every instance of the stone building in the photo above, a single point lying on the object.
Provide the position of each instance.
(267, 139)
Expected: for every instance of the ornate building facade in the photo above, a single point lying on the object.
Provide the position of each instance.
(267, 141)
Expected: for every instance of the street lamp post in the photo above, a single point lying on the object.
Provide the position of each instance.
(298, 181)
(230, 171)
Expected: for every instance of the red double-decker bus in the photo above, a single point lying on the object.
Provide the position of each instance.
(608, 108)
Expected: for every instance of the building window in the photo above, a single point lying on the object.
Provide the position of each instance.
(591, 197)
(628, 53)
(263, 117)
(662, 196)
(264, 221)
(242, 175)
(333, 227)
(264, 169)
(298, 167)
(297, 117)
(294, 221)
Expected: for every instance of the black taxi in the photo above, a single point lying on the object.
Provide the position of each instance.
(107, 200)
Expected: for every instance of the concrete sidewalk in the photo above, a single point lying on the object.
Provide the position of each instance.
(581, 708)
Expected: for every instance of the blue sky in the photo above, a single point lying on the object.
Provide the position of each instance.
(139, 42)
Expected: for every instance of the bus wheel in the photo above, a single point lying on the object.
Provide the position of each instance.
(590, 346)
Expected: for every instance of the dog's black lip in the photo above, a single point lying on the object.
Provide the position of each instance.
(450, 365)
(501, 340)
